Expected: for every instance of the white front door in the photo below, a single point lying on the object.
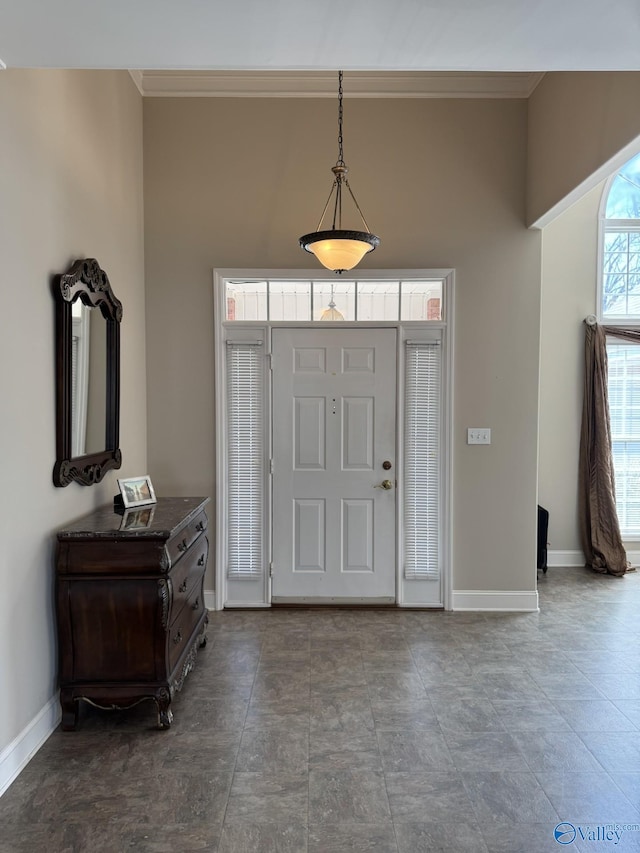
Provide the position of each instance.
(334, 443)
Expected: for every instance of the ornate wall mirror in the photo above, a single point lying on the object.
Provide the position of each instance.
(88, 319)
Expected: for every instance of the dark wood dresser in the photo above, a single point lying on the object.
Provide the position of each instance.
(130, 605)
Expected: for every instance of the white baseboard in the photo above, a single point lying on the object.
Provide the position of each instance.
(210, 602)
(15, 757)
(571, 559)
(462, 600)
(497, 600)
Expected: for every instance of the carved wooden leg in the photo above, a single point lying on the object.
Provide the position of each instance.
(69, 711)
(202, 639)
(165, 715)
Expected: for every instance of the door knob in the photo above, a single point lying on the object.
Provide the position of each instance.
(385, 484)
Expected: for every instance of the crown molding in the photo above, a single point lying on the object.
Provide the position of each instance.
(136, 76)
(311, 84)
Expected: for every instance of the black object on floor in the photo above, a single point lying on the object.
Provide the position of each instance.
(543, 531)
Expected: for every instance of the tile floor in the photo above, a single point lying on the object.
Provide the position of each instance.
(330, 730)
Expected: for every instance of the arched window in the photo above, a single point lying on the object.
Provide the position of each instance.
(619, 305)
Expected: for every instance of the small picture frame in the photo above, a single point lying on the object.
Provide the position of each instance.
(138, 519)
(137, 491)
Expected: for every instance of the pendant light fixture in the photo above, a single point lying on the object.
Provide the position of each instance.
(336, 248)
(331, 313)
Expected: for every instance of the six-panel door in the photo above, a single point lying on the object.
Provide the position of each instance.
(334, 421)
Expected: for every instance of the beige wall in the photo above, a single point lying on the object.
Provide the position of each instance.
(233, 183)
(578, 123)
(569, 258)
(71, 186)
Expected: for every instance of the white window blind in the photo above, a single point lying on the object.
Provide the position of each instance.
(421, 472)
(624, 411)
(245, 455)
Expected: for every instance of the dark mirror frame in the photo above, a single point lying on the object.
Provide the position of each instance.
(85, 280)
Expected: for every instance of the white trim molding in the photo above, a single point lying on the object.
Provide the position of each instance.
(210, 599)
(137, 77)
(634, 558)
(15, 757)
(238, 594)
(322, 84)
(573, 559)
(524, 601)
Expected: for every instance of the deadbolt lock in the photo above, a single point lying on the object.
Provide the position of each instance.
(386, 465)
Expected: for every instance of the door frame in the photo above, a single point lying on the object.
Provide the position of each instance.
(225, 331)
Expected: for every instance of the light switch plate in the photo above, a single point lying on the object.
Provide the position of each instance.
(478, 435)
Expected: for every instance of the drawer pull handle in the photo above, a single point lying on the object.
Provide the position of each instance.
(182, 546)
(183, 586)
(201, 561)
(178, 638)
(196, 604)
(200, 526)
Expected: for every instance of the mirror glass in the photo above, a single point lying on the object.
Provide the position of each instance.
(88, 379)
(87, 375)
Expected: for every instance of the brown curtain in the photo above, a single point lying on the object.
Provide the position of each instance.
(599, 527)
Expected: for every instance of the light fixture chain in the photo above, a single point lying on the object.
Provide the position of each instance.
(340, 151)
(335, 248)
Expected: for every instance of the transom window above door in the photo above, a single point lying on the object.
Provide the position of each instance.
(334, 300)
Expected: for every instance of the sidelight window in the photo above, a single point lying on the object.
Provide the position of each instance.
(245, 460)
(422, 460)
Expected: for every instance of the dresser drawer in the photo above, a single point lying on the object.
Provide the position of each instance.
(185, 623)
(180, 544)
(187, 571)
(113, 556)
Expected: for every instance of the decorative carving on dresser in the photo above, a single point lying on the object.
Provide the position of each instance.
(165, 561)
(165, 595)
(130, 607)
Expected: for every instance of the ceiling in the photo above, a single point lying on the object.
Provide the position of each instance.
(411, 36)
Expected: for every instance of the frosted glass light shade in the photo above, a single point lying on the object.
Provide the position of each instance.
(339, 250)
(340, 254)
(331, 313)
